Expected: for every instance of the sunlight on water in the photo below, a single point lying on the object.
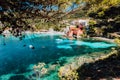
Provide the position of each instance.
(95, 44)
(17, 59)
(64, 47)
(75, 42)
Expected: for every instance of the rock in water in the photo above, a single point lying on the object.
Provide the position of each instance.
(31, 46)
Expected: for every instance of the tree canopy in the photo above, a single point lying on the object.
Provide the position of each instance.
(100, 9)
(13, 13)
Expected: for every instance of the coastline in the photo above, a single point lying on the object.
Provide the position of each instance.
(46, 32)
(104, 39)
(69, 71)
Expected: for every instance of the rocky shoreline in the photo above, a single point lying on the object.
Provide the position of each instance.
(70, 71)
(106, 68)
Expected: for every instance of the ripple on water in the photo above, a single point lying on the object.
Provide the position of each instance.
(14, 56)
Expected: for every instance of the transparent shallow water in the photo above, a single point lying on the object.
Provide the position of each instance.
(16, 58)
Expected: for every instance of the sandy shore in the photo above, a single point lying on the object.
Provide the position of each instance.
(48, 32)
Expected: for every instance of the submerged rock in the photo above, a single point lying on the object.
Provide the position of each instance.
(18, 77)
(24, 45)
(4, 44)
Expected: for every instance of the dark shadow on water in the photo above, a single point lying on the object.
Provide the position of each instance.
(18, 77)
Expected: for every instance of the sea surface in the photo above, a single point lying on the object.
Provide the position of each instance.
(17, 58)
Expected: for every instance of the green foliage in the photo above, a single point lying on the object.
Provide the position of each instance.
(117, 41)
(106, 13)
(17, 12)
(92, 22)
(98, 8)
(39, 24)
(100, 14)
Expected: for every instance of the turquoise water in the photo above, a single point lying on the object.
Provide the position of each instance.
(17, 59)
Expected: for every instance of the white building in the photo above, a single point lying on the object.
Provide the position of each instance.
(85, 22)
